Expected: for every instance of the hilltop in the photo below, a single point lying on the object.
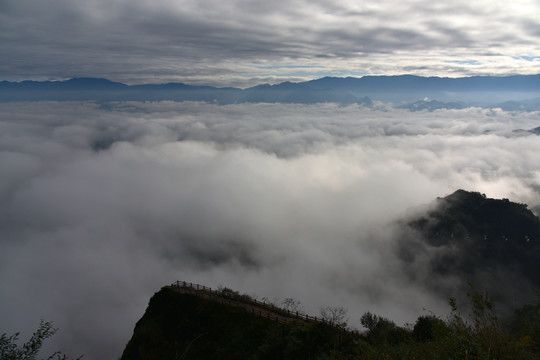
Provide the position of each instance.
(493, 244)
(182, 322)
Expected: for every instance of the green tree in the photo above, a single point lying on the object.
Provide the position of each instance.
(382, 330)
(9, 350)
(429, 327)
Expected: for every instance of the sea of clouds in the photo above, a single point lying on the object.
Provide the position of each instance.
(103, 204)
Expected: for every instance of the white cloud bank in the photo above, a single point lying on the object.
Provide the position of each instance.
(100, 208)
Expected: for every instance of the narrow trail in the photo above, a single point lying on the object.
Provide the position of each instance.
(261, 309)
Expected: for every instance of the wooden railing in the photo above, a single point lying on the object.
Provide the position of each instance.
(250, 304)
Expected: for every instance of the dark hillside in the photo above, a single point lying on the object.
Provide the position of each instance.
(493, 244)
(180, 325)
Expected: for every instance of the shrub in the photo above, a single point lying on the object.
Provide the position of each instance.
(429, 327)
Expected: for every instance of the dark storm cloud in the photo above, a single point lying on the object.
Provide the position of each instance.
(100, 208)
(216, 42)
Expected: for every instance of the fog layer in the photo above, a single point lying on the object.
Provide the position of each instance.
(100, 206)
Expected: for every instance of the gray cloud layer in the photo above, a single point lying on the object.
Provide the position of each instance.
(231, 42)
(99, 208)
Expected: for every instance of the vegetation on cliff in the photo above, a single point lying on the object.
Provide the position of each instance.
(188, 326)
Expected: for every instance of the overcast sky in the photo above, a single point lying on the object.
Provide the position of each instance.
(100, 208)
(243, 42)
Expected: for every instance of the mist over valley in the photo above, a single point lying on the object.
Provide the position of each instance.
(103, 203)
(379, 157)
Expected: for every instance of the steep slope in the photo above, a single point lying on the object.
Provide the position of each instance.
(492, 244)
(183, 325)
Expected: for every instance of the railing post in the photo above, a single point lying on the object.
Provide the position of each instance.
(273, 312)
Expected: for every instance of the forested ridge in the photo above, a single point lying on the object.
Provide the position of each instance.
(180, 325)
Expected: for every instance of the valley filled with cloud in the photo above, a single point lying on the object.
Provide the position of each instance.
(101, 205)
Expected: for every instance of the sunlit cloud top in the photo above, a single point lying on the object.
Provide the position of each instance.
(241, 42)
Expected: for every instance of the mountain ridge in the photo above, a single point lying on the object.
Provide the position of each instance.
(522, 82)
(343, 90)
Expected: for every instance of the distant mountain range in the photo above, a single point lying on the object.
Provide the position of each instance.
(520, 92)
